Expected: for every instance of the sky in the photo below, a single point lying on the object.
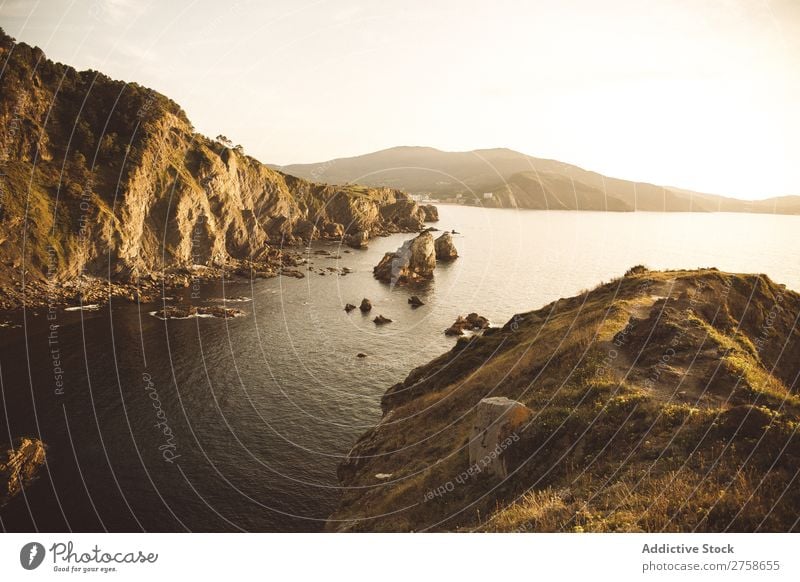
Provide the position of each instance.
(698, 94)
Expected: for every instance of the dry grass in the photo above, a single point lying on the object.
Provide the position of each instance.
(606, 450)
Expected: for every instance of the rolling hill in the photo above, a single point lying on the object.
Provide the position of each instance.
(509, 179)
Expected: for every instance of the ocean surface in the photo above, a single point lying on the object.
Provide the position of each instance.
(227, 425)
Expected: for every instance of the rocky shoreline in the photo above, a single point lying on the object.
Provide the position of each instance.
(95, 290)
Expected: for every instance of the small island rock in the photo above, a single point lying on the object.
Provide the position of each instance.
(430, 212)
(472, 322)
(445, 249)
(412, 263)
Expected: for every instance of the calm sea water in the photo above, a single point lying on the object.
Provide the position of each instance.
(261, 409)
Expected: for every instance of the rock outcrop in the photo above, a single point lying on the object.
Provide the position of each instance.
(445, 249)
(412, 263)
(358, 239)
(415, 301)
(498, 423)
(472, 322)
(366, 305)
(404, 215)
(630, 407)
(20, 463)
(431, 213)
(381, 320)
(124, 188)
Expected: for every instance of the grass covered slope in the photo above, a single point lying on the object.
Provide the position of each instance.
(660, 401)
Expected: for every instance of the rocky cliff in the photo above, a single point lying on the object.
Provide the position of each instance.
(658, 401)
(105, 179)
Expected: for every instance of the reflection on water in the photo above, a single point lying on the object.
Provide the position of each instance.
(211, 424)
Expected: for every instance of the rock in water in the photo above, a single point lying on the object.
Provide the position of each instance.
(366, 305)
(349, 307)
(457, 328)
(476, 322)
(381, 320)
(357, 240)
(415, 301)
(333, 230)
(412, 263)
(19, 466)
(472, 322)
(445, 249)
(188, 311)
(498, 421)
(431, 213)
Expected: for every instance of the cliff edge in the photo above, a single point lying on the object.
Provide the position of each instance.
(658, 401)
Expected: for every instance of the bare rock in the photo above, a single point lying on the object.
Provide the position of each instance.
(457, 328)
(20, 463)
(431, 213)
(415, 301)
(477, 322)
(366, 305)
(412, 263)
(357, 240)
(333, 230)
(445, 249)
(292, 273)
(189, 311)
(349, 307)
(361, 355)
(381, 320)
(472, 322)
(498, 422)
(403, 215)
(306, 230)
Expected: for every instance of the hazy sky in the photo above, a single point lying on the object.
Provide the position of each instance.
(701, 94)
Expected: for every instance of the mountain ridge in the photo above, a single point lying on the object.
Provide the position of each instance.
(446, 175)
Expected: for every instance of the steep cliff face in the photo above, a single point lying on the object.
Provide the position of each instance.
(106, 179)
(659, 401)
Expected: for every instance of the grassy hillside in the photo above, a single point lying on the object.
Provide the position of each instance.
(659, 401)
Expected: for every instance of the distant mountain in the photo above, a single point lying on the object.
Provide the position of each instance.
(506, 178)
